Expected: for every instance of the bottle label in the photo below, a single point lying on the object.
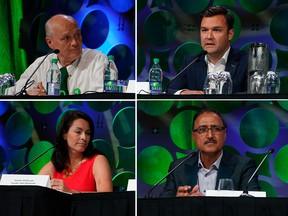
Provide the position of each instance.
(110, 86)
(155, 87)
(53, 89)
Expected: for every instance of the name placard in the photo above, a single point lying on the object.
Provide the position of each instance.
(230, 193)
(25, 180)
(131, 186)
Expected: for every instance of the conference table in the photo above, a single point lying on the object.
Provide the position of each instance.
(213, 97)
(88, 96)
(212, 206)
(41, 201)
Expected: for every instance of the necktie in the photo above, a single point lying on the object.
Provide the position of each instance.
(63, 84)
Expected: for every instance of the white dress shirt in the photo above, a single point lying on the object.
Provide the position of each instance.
(85, 73)
(207, 177)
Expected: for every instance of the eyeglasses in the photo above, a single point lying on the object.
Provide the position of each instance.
(213, 128)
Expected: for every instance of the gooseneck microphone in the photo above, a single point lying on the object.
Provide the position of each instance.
(245, 192)
(204, 52)
(171, 171)
(40, 155)
(29, 82)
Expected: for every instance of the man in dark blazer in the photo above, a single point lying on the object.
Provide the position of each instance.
(203, 171)
(216, 33)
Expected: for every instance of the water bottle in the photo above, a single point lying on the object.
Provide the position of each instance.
(272, 83)
(155, 78)
(110, 76)
(53, 79)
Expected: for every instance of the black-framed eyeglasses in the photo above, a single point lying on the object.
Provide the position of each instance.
(213, 128)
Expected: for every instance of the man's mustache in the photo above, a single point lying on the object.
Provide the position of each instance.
(210, 141)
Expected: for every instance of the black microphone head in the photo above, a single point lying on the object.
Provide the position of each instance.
(204, 52)
(271, 151)
(56, 51)
(193, 153)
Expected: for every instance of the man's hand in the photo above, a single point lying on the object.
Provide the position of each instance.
(185, 191)
(38, 90)
(189, 92)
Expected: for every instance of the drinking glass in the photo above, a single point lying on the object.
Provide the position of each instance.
(122, 86)
(257, 83)
(211, 83)
(225, 184)
(225, 83)
(272, 83)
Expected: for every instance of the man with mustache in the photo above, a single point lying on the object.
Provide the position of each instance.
(216, 33)
(85, 67)
(203, 171)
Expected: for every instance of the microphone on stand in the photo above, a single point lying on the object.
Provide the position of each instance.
(40, 155)
(171, 171)
(28, 82)
(204, 52)
(245, 192)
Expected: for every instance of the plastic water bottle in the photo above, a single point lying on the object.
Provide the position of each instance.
(155, 78)
(53, 79)
(110, 76)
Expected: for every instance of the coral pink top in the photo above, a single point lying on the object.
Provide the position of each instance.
(82, 179)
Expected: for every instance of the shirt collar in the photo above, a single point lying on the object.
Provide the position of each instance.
(216, 164)
(223, 59)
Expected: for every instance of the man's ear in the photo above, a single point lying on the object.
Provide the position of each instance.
(49, 42)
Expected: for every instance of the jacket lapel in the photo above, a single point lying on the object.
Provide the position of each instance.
(191, 171)
(232, 63)
(226, 168)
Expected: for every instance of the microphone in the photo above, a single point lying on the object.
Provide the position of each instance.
(171, 171)
(28, 82)
(204, 52)
(245, 192)
(25, 165)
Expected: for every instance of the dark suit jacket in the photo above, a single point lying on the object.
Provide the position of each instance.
(238, 168)
(193, 77)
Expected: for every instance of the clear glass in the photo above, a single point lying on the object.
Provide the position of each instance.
(225, 184)
(225, 83)
(257, 83)
(211, 83)
(272, 83)
(122, 86)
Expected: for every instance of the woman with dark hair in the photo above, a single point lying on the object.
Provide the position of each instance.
(75, 165)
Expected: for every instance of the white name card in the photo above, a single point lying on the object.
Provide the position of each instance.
(131, 186)
(131, 86)
(229, 193)
(143, 88)
(25, 180)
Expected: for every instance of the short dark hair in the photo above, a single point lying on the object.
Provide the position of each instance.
(208, 110)
(219, 10)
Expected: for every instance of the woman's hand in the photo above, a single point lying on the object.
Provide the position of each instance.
(59, 185)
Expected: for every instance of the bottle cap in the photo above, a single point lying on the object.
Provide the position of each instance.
(54, 60)
(111, 57)
(77, 91)
(156, 60)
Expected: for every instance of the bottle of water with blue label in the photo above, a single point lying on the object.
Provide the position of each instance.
(155, 78)
(53, 79)
(110, 76)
